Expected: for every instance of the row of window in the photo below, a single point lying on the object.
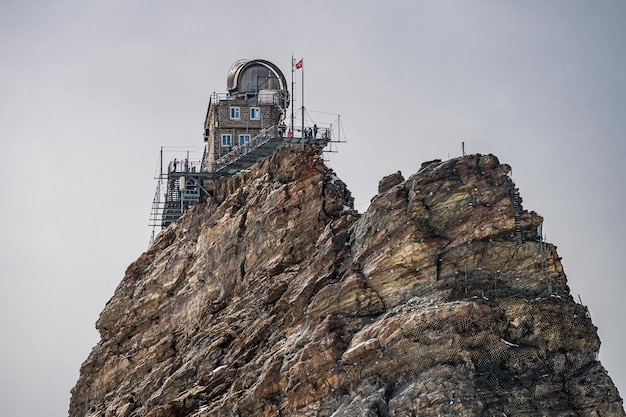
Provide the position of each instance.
(235, 113)
(227, 139)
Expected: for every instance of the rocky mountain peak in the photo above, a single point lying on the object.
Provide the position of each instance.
(273, 297)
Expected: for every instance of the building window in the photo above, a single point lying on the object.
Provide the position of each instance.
(255, 113)
(235, 113)
(244, 139)
(226, 139)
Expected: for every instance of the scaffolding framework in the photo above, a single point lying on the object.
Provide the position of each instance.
(180, 182)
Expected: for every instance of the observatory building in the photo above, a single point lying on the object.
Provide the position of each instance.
(242, 127)
(256, 102)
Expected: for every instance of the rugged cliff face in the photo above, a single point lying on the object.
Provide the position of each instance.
(275, 298)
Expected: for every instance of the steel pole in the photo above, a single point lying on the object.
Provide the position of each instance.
(302, 133)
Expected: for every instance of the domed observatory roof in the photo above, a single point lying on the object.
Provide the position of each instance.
(258, 78)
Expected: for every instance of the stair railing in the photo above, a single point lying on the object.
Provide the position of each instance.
(239, 151)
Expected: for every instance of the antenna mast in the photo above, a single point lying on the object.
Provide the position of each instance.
(292, 85)
(302, 133)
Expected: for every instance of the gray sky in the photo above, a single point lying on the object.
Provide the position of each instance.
(90, 90)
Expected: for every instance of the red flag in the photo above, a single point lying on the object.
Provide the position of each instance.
(299, 64)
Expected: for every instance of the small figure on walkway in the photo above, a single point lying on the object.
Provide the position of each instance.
(174, 164)
(290, 133)
(186, 166)
(315, 131)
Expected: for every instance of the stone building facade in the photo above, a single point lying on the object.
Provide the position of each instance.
(256, 100)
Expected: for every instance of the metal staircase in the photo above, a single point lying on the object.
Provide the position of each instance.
(176, 191)
(182, 192)
(264, 144)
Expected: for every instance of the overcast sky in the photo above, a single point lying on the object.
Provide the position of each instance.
(90, 90)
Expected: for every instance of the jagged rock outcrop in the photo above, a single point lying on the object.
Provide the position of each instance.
(275, 298)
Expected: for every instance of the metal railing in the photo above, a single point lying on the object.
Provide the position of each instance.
(245, 148)
(184, 165)
(251, 97)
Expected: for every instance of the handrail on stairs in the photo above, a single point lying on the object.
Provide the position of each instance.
(239, 151)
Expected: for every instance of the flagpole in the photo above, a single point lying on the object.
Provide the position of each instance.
(292, 97)
(302, 134)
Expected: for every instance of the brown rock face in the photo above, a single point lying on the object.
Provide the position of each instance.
(275, 298)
